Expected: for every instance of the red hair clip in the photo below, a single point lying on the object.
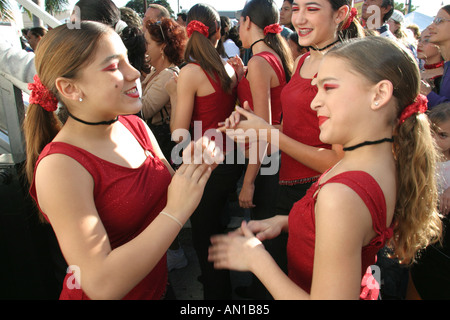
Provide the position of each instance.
(273, 28)
(353, 14)
(42, 96)
(198, 26)
(418, 106)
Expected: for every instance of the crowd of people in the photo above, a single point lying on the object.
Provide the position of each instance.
(132, 130)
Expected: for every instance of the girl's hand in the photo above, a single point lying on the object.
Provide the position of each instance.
(235, 251)
(250, 124)
(238, 66)
(268, 228)
(246, 195)
(188, 182)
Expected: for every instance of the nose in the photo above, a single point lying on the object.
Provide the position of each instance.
(131, 73)
(316, 103)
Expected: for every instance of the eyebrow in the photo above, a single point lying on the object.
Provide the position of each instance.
(321, 81)
(114, 56)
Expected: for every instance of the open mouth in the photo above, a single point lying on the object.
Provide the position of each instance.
(133, 92)
(304, 32)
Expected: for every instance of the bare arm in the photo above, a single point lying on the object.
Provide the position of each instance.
(65, 193)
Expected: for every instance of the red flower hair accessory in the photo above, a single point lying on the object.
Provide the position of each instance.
(273, 28)
(353, 14)
(42, 96)
(198, 26)
(418, 106)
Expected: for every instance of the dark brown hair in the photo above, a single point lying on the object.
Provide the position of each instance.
(264, 13)
(200, 49)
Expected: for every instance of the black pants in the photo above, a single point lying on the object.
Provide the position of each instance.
(207, 220)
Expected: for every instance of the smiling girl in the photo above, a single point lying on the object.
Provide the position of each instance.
(101, 180)
(382, 191)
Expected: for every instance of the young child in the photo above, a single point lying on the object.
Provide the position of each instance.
(383, 191)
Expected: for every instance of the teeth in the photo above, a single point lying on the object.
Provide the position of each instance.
(131, 91)
(304, 31)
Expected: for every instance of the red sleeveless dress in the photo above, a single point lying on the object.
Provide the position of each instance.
(211, 109)
(245, 94)
(301, 241)
(127, 201)
(300, 123)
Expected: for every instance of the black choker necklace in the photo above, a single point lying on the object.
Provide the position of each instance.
(367, 143)
(326, 47)
(251, 47)
(93, 123)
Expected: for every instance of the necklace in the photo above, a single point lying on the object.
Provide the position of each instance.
(251, 47)
(93, 123)
(367, 143)
(326, 47)
(434, 65)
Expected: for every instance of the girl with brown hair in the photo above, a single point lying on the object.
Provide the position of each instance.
(383, 191)
(100, 179)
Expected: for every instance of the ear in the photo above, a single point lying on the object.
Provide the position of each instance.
(383, 92)
(68, 89)
(341, 14)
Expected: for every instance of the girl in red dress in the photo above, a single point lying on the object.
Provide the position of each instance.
(100, 179)
(206, 94)
(383, 191)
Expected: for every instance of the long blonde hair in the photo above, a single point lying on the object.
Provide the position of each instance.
(416, 219)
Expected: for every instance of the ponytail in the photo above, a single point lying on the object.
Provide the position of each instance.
(203, 24)
(277, 43)
(40, 128)
(416, 220)
(265, 14)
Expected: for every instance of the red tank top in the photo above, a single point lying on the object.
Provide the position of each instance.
(300, 123)
(245, 94)
(212, 109)
(301, 241)
(127, 201)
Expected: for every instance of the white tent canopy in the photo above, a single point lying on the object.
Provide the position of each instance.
(418, 18)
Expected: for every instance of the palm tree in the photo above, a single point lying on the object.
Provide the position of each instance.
(51, 6)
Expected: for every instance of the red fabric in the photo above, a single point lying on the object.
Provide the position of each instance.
(300, 123)
(127, 201)
(211, 110)
(245, 94)
(301, 242)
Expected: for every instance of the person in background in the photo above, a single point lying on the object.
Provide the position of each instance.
(286, 14)
(156, 12)
(376, 18)
(383, 191)
(433, 63)
(227, 47)
(296, 49)
(100, 179)
(261, 84)
(205, 95)
(440, 36)
(34, 35)
(396, 26)
(181, 19)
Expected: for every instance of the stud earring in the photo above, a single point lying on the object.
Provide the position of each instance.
(81, 99)
(376, 103)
